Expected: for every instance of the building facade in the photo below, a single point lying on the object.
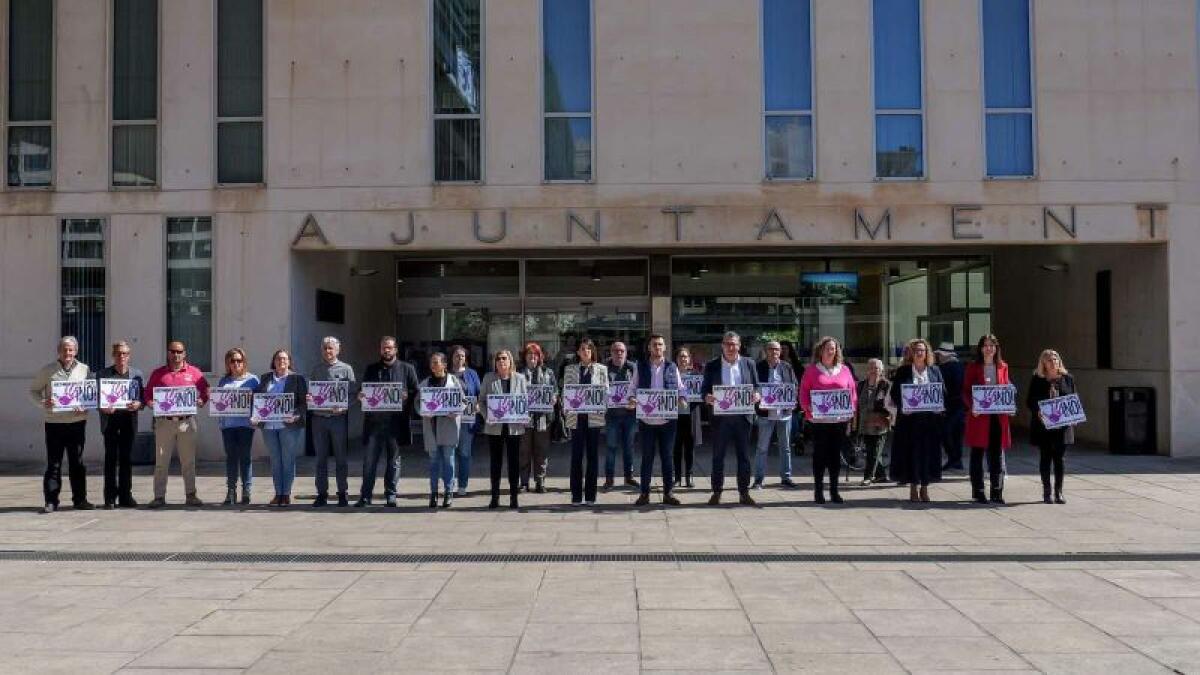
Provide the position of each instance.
(261, 173)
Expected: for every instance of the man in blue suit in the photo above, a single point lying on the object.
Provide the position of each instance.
(731, 368)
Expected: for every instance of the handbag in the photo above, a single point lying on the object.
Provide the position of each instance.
(559, 432)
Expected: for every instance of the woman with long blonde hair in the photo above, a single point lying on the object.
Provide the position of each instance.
(918, 434)
(1050, 380)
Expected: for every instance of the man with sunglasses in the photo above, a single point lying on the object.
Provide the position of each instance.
(176, 432)
(118, 425)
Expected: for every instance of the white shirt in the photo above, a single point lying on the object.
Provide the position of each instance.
(658, 374)
(731, 374)
(920, 376)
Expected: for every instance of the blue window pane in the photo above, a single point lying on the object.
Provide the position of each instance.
(457, 66)
(1006, 63)
(567, 45)
(898, 146)
(1010, 144)
(789, 146)
(568, 148)
(897, 54)
(787, 55)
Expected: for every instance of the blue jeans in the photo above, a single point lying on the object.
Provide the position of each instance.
(618, 433)
(462, 457)
(441, 464)
(658, 439)
(782, 430)
(284, 445)
(238, 441)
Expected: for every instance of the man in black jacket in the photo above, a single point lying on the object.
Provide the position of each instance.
(385, 432)
(731, 368)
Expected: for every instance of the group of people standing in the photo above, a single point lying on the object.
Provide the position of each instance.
(875, 410)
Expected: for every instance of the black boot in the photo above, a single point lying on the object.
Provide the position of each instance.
(342, 500)
(321, 500)
(979, 497)
(512, 501)
(997, 496)
(1046, 494)
(433, 500)
(1058, 498)
(819, 493)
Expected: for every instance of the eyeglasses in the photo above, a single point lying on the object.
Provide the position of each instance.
(237, 360)
(175, 351)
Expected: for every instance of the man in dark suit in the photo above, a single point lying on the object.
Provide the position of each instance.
(731, 368)
(385, 432)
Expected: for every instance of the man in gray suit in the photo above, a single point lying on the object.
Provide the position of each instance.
(731, 368)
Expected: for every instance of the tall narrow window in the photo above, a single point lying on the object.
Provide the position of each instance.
(899, 100)
(457, 90)
(135, 93)
(82, 286)
(567, 76)
(189, 286)
(239, 92)
(30, 96)
(1007, 88)
(787, 88)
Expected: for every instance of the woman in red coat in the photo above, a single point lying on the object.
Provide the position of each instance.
(987, 434)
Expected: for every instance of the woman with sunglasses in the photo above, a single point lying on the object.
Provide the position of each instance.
(237, 434)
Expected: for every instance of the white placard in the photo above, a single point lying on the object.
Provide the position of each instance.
(736, 399)
(1063, 411)
(118, 394)
(923, 397)
(230, 402)
(383, 396)
(994, 399)
(618, 394)
(657, 404)
(831, 404)
(541, 398)
(329, 394)
(507, 409)
(173, 401)
(274, 407)
(71, 395)
(778, 396)
(440, 401)
(694, 385)
(585, 398)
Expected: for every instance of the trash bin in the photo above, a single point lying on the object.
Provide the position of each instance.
(143, 449)
(1132, 421)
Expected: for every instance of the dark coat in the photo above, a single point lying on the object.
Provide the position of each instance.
(1039, 390)
(914, 428)
(397, 422)
(294, 384)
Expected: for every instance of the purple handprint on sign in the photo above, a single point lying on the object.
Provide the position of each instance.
(319, 399)
(374, 398)
(165, 405)
(576, 400)
(220, 404)
(264, 411)
(112, 398)
(824, 406)
(648, 408)
(432, 406)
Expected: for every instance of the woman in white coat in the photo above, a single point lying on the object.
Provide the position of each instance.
(439, 432)
(503, 439)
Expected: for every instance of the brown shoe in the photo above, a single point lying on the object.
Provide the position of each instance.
(746, 500)
(924, 494)
(276, 500)
(642, 500)
(670, 500)
(285, 500)
(913, 494)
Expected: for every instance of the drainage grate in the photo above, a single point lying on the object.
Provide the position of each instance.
(550, 558)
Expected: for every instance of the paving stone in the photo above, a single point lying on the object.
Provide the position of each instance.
(694, 623)
(430, 653)
(207, 651)
(344, 637)
(946, 653)
(574, 662)
(605, 638)
(905, 623)
(711, 653)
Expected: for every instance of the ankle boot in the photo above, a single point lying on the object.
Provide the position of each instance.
(433, 500)
(512, 502)
(979, 497)
(245, 496)
(1058, 497)
(913, 494)
(230, 497)
(924, 494)
(343, 500)
(1046, 494)
(819, 493)
(997, 496)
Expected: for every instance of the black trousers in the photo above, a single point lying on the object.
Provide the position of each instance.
(873, 448)
(731, 431)
(585, 450)
(995, 459)
(828, 441)
(119, 433)
(1052, 450)
(65, 439)
(505, 444)
(685, 446)
(925, 448)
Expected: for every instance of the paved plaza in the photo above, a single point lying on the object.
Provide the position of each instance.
(1109, 582)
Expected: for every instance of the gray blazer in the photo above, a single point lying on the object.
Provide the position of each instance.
(571, 376)
(441, 431)
(494, 385)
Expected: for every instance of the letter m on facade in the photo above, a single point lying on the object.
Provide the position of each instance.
(884, 224)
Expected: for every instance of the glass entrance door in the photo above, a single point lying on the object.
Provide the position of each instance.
(483, 327)
(558, 327)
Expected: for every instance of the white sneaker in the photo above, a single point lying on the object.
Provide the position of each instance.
(461, 492)
(866, 481)
(576, 503)
(590, 503)
(49, 508)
